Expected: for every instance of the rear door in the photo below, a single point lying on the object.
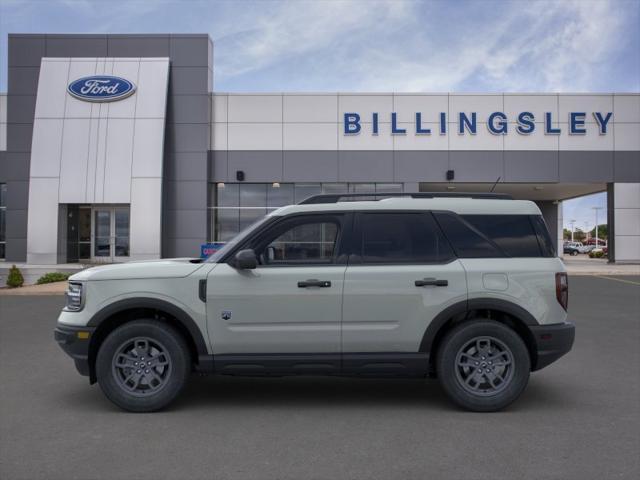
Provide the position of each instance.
(401, 274)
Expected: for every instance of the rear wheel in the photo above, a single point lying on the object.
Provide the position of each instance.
(483, 365)
(143, 365)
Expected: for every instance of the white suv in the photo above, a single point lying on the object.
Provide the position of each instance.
(465, 287)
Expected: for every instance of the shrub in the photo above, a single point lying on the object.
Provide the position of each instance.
(15, 278)
(596, 254)
(52, 277)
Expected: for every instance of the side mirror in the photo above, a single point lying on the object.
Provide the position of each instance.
(245, 260)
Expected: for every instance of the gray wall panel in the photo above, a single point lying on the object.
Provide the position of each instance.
(189, 81)
(23, 80)
(26, 50)
(16, 224)
(185, 166)
(577, 167)
(428, 166)
(265, 166)
(475, 166)
(310, 166)
(189, 108)
(186, 195)
(16, 248)
(17, 195)
(187, 137)
(180, 221)
(138, 46)
(19, 137)
(531, 166)
(17, 166)
(22, 108)
(365, 166)
(626, 166)
(218, 166)
(189, 51)
(82, 46)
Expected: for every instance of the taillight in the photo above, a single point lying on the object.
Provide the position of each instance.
(562, 289)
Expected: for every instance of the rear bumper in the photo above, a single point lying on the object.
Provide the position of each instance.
(75, 343)
(552, 342)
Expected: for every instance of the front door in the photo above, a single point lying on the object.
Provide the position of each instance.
(401, 274)
(110, 234)
(290, 304)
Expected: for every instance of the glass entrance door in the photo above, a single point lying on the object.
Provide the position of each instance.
(110, 234)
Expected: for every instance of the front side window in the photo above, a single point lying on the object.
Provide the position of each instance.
(301, 242)
(402, 238)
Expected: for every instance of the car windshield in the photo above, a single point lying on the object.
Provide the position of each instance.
(235, 240)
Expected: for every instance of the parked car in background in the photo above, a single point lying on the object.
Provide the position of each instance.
(572, 248)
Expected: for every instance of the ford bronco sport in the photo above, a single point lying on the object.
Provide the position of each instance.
(466, 288)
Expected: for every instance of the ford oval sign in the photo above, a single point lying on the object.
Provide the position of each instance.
(101, 88)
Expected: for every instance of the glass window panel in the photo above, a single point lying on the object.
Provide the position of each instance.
(3, 194)
(335, 188)
(304, 243)
(402, 238)
(228, 195)
(102, 233)
(512, 233)
(467, 242)
(389, 187)
(306, 190)
(3, 214)
(2, 250)
(253, 194)
(84, 250)
(84, 224)
(362, 187)
(279, 196)
(227, 221)
(249, 215)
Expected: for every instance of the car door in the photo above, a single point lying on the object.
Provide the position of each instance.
(290, 304)
(401, 274)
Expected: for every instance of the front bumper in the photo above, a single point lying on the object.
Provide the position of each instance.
(75, 343)
(552, 342)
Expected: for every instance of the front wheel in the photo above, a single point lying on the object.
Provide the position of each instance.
(483, 365)
(143, 365)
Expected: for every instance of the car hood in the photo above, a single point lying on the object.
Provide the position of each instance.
(164, 268)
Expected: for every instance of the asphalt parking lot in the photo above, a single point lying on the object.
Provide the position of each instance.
(578, 418)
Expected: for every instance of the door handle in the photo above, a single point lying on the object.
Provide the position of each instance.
(426, 282)
(314, 283)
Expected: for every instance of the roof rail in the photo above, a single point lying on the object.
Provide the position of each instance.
(335, 197)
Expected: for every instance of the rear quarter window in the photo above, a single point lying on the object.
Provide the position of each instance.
(515, 235)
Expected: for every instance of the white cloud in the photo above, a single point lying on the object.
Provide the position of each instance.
(405, 46)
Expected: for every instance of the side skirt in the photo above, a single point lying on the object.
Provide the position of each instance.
(374, 364)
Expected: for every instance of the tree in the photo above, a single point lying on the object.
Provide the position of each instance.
(603, 231)
(15, 278)
(578, 235)
(566, 234)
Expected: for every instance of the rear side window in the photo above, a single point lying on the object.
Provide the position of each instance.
(544, 239)
(467, 241)
(402, 238)
(514, 234)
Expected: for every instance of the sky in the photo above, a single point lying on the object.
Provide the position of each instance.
(377, 45)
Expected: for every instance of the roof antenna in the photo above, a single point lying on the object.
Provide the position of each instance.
(494, 185)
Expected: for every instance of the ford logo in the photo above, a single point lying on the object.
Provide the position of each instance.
(101, 88)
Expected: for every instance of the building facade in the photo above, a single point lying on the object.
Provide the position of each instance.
(115, 147)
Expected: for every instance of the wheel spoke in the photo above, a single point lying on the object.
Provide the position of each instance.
(484, 366)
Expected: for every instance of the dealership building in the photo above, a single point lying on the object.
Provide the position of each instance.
(117, 147)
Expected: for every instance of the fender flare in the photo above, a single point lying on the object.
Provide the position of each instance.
(466, 306)
(156, 304)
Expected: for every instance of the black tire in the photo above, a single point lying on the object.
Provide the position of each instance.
(459, 381)
(574, 253)
(168, 365)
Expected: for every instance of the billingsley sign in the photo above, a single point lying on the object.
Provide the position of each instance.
(497, 123)
(101, 88)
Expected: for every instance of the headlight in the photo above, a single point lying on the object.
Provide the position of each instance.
(74, 297)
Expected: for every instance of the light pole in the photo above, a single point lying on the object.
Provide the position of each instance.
(596, 209)
(572, 222)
